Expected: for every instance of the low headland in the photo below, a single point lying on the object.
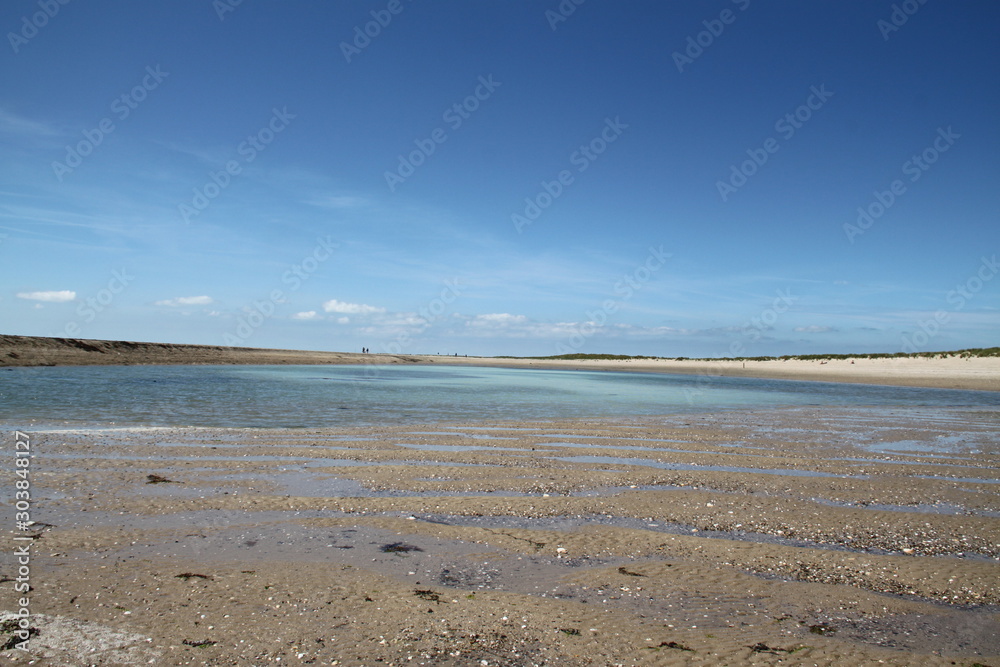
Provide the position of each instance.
(44, 351)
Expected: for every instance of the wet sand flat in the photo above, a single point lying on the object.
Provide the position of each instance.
(809, 536)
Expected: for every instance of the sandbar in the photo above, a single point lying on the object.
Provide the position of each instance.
(947, 372)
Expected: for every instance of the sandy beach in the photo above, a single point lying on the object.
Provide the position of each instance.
(978, 373)
(809, 536)
(953, 372)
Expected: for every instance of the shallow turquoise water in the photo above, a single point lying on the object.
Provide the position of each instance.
(323, 396)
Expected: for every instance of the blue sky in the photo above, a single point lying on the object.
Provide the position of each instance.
(503, 177)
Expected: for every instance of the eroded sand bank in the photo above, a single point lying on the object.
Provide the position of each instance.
(805, 536)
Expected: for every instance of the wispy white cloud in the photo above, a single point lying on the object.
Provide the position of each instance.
(334, 306)
(497, 320)
(306, 315)
(655, 331)
(214, 155)
(81, 218)
(337, 202)
(186, 301)
(505, 325)
(392, 325)
(814, 329)
(59, 296)
(13, 124)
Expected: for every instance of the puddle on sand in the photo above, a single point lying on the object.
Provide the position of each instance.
(854, 459)
(589, 445)
(621, 460)
(573, 523)
(299, 483)
(714, 446)
(165, 457)
(474, 436)
(942, 444)
(494, 428)
(306, 461)
(397, 462)
(925, 448)
(942, 508)
(458, 448)
(310, 485)
(964, 480)
(603, 491)
(244, 445)
(603, 437)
